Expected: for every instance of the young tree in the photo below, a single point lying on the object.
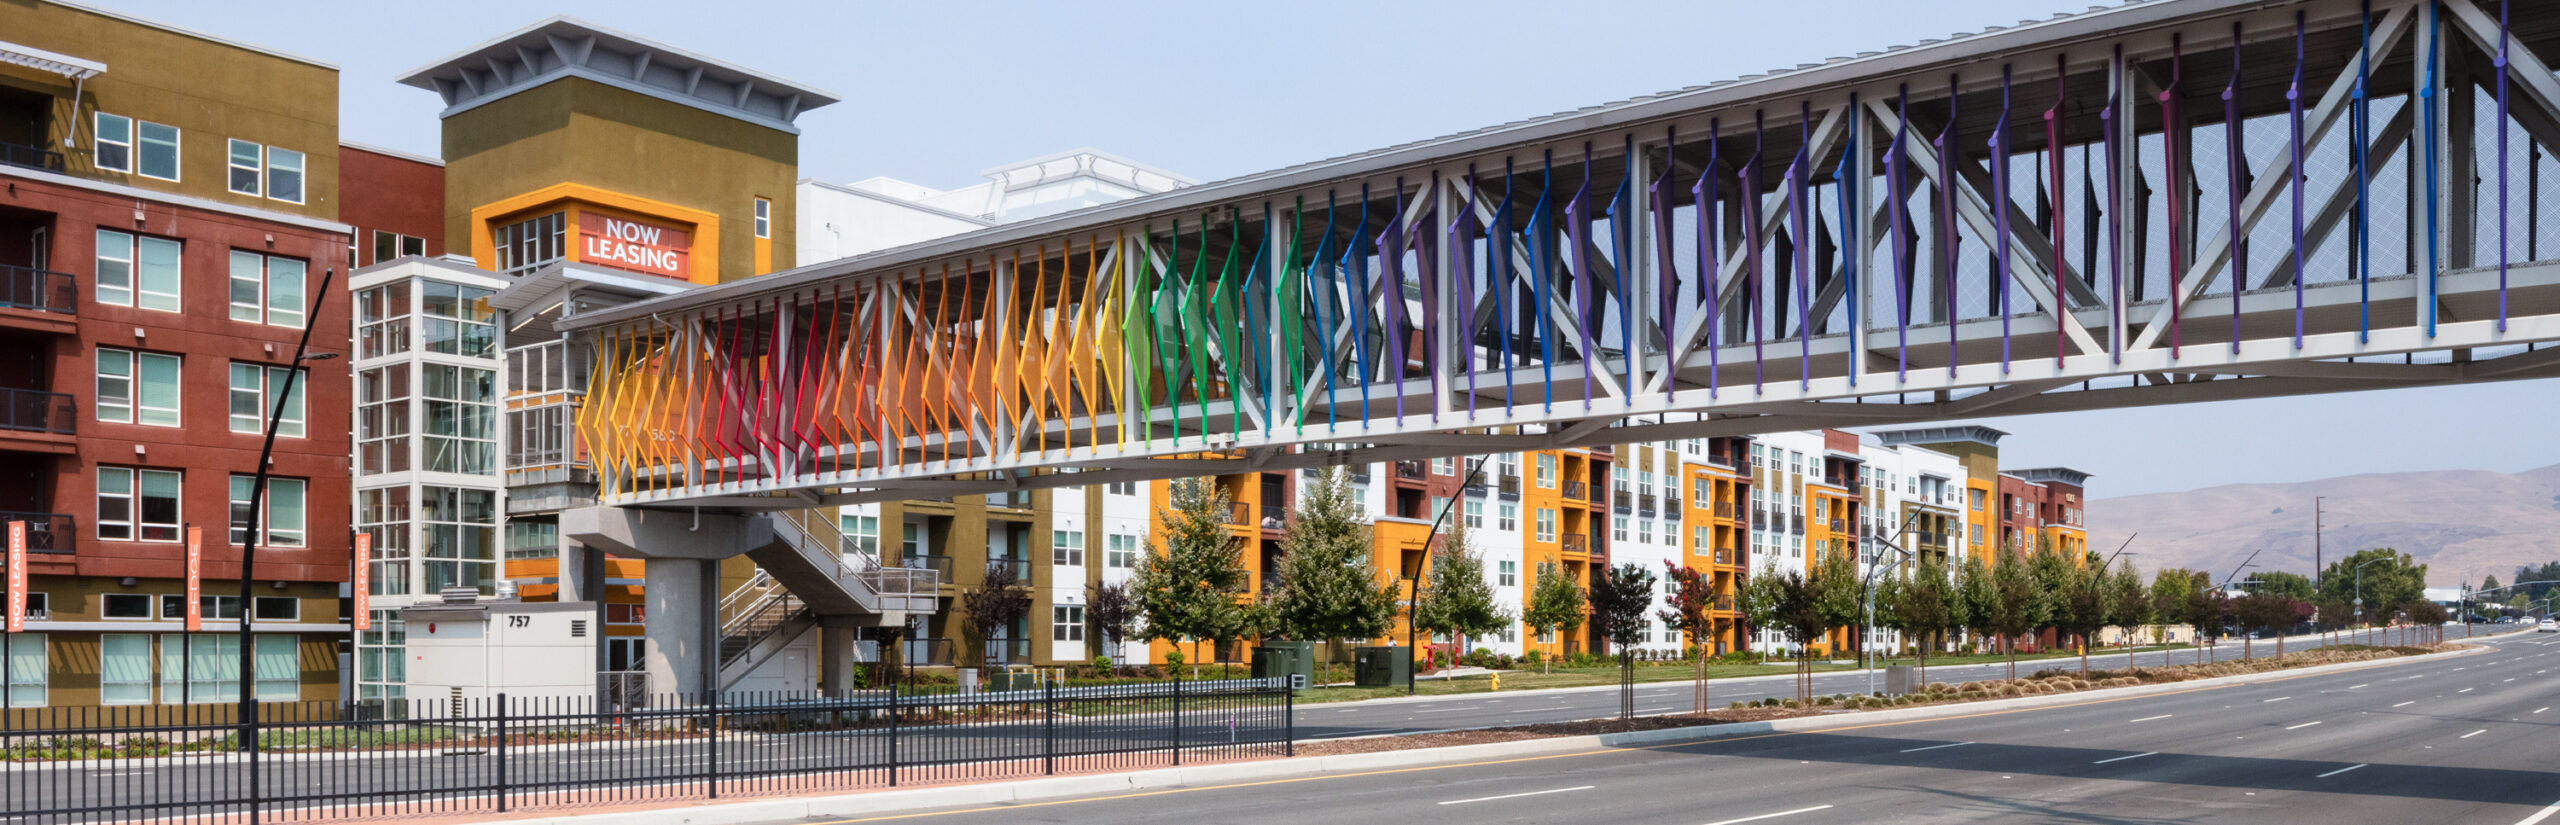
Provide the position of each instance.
(1113, 616)
(2080, 608)
(1839, 595)
(1188, 590)
(1619, 598)
(2128, 603)
(1692, 597)
(1458, 599)
(2208, 610)
(1918, 606)
(2262, 613)
(1001, 599)
(2018, 602)
(1329, 585)
(1555, 605)
(1784, 601)
(2054, 574)
(1980, 599)
(2170, 588)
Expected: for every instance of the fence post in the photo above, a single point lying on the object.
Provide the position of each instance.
(893, 734)
(502, 753)
(257, 789)
(1049, 727)
(1177, 720)
(1289, 723)
(712, 775)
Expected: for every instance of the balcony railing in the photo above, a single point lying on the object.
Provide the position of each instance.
(1004, 651)
(1724, 556)
(1510, 485)
(1021, 567)
(928, 561)
(1724, 509)
(1576, 543)
(32, 157)
(43, 290)
(48, 533)
(1409, 469)
(37, 411)
(1240, 513)
(1577, 490)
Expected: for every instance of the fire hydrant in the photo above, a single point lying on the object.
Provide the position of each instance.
(1497, 681)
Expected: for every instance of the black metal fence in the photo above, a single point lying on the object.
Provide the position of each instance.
(318, 761)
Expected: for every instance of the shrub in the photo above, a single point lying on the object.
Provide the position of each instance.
(1102, 665)
(1173, 658)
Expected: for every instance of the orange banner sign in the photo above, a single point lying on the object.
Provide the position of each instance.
(195, 579)
(362, 587)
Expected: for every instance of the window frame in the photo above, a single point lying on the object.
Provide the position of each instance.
(37, 647)
(1065, 553)
(296, 536)
(264, 310)
(107, 684)
(136, 528)
(292, 424)
(256, 168)
(299, 171)
(137, 272)
(1119, 557)
(107, 615)
(143, 142)
(98, 140)
(764, 218)
(1066, 623)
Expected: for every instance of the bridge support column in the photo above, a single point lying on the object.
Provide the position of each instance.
(841, 654)
(683, 628)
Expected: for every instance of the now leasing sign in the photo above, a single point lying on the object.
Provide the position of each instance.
(635, 245)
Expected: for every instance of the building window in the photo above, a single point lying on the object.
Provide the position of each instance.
(1066, 621)
(158, 150)
(26, 670)
(1510, 465)
(114, 139)
(138, 504)
(1121, 551)
(279, 609)
(1506, 573)
(457, 320)
(1546, 471)
(138, 270)
(39, 606)
(384, 513)
(284, 175)
(1475, 514)
(461, 531)
(1066, 547)
(382, 320)
(124, 669)
(764, 218)
(1618, 529)
(252, 389)
(529, 539)
(626, 614)
(461, 412)
(911, 540)
(124, 606)
(382, 419)
(248, 167)
(1121, 488)
(138, 387)
(1698, 541)
(1546, 524)
(1444, 466)
(174, 607)
(266, 289)
(861, 533)
(390, 245)
(624, 655)
(210, 671)
(1506, 518)
(1644, 531)
(282, 523)
(527, 244)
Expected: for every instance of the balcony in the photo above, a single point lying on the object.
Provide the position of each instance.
(1021, 567)
(1724, 509)
(1509, 486)
(37, 411)
(1577, 491)
(30, 157)
(47, 533)
(1412, 470)
(1724, 557)
(1625, 500)
(928, 561)
(42, 290)
(1004, 651)
(1724, 603)
(1240, 514)
(1576, 543)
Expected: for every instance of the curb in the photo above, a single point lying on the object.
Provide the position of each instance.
(875, 803)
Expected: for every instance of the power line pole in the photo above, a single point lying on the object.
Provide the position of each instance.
(2318, 567)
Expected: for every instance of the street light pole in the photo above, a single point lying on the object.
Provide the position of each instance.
(256, 529)
(2316, 562)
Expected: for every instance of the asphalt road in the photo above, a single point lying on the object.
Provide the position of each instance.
(2467, 740)
(432, 780)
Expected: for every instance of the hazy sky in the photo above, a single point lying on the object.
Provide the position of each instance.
(934, 92)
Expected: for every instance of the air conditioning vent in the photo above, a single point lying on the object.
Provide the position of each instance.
(577, 628)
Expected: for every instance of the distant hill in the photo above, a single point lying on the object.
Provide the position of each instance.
(2461, 523)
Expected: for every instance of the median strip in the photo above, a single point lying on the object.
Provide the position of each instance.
(1517, 795)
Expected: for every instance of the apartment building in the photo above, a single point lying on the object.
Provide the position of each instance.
(171, 208)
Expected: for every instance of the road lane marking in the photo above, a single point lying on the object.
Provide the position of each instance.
(2353, 687)
(2541, 709)
(2410, 702)
(2538, 816)
(2506, 680)
(1770, 816)
(2123, 758)
(2155, 718)
(1935, 747)
(1517, 795)
(2475, 733)
(2301, 726)
(2277, 699)
(2338, 771)
(2466, 690)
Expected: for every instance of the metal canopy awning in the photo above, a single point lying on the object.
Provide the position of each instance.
(44, 61)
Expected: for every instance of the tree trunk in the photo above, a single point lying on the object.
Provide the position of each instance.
(2248, 647)
(1702, 682)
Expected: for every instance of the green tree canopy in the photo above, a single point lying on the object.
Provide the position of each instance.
(1329, 586)
(2390, 578)
(1458, 599)
(1188, 588)
(2289, 585)
(1555, 601)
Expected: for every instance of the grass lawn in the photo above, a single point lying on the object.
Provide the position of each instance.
(1529, 678)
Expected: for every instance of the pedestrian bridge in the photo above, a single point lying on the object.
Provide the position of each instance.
(2043, 217)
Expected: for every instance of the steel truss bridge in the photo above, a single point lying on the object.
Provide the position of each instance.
(2043, 217)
